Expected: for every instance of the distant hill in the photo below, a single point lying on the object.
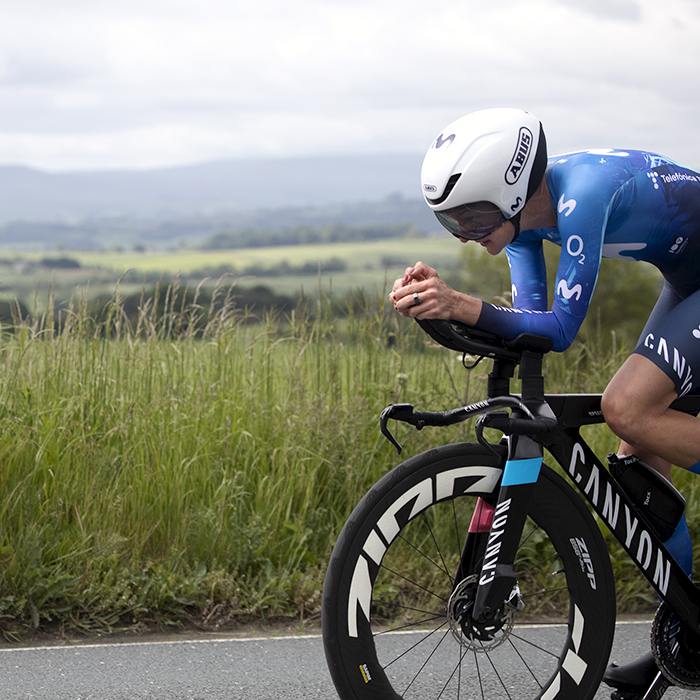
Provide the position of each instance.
(206, 189)
(101, 234)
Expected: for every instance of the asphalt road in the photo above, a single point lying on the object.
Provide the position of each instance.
(278, 668)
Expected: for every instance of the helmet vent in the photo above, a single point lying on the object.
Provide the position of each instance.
(539, 167)
(448, 189)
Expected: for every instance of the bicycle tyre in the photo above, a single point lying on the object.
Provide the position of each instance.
(375, 575)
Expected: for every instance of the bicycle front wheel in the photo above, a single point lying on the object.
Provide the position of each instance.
(389, 624)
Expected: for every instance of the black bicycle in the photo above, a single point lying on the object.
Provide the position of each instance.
(438, 573)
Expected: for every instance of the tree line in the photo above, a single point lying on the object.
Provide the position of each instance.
(308, 235)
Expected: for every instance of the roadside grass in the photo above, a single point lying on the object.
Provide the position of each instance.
(153, 473)
(196, 465)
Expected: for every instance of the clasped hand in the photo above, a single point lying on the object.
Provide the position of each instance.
(421, 293)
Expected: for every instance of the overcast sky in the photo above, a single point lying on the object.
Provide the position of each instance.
(104, 84)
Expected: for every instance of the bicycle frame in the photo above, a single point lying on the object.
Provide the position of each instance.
(555, 422)
(621, 517)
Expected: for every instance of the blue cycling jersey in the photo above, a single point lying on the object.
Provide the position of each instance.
(614, 204)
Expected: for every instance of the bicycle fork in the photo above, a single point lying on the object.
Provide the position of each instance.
(494, 536)
(495, 530)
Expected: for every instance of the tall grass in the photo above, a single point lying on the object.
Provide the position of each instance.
(196, 465)
(188, 463)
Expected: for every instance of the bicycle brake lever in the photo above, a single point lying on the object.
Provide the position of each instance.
(397, 411)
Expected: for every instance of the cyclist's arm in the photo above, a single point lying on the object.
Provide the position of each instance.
(556, 324)
(530, 314)
(581, 226)
(528, 275)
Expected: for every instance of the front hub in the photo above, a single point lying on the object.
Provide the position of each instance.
(480, 636)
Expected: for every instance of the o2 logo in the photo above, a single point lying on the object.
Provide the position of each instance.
(574, 247)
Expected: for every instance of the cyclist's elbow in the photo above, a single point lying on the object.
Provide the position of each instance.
(561, 342)
(560, 346)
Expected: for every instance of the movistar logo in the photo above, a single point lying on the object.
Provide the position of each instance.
(444, 140)
(521, 155)
(567, 293)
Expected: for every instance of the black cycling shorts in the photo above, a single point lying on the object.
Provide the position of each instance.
(671, 338)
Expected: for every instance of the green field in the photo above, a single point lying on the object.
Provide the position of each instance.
(366, 254)
(369, 266)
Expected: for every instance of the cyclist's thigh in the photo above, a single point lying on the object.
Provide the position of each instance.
(666, 301)
(672, 342)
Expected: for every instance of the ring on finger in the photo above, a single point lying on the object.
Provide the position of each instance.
(416, 299)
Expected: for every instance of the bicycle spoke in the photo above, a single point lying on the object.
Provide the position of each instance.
(425, 663)
(442, 568)
(520, 656)
(529, 535)
(545, 591)
(437, 548)
(532, 644)
(416, 645)
(462, 654)
(410, 625)
(539, 564)
(478, 673)
(457, 668)
(498, 675)
(414, 583)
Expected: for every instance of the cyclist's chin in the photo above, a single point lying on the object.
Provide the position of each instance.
(492, 247)
(495, 242)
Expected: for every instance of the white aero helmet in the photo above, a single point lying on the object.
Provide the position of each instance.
(482, 169)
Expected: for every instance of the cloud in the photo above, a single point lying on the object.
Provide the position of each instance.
(628, 10)
(102, 84)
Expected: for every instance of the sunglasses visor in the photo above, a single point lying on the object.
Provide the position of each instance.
(472, 221)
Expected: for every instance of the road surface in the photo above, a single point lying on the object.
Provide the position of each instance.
(275, 668)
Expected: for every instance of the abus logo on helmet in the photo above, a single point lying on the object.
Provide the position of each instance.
(521, 155)
(430, 188)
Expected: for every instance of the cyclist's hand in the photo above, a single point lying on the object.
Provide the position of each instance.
(434, 298)
(420, 271)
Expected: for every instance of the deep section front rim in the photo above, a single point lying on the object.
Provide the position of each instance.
(390, 628)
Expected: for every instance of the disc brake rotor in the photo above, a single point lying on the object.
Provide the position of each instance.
(470, 634)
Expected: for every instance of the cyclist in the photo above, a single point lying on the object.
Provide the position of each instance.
(488, 179)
